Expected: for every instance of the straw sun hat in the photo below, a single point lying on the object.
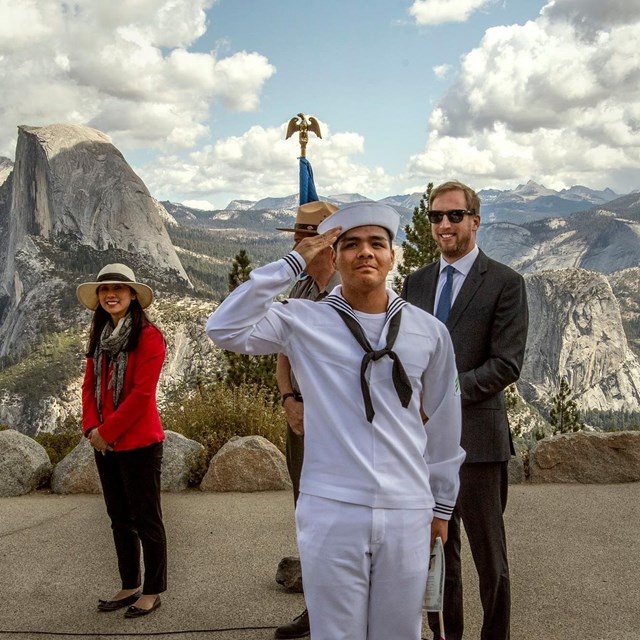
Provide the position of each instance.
(87, 292)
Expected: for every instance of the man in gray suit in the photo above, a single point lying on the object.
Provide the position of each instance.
(484, 305)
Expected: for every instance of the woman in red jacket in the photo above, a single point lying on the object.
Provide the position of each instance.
(120, 418)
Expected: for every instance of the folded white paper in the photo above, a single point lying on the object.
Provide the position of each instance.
(434, 593)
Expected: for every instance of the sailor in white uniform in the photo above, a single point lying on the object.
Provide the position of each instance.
(382, 424)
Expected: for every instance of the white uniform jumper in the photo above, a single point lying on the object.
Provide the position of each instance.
(368, 490)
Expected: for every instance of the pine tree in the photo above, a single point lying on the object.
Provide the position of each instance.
(564, 411)
(241, 368)
(240, 270)
(510, 397)
(419, 248)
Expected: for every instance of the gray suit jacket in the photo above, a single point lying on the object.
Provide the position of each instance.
(488, 325)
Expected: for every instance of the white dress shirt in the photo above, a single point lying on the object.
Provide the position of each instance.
(462, 268)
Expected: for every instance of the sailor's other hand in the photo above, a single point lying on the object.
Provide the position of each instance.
(439, 528)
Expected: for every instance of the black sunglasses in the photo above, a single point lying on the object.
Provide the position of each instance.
(455, 215)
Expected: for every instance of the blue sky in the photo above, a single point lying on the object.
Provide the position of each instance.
(197, 93)
(361, 66)
(328, 64)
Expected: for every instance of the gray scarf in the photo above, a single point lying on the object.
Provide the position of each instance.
(112, 342)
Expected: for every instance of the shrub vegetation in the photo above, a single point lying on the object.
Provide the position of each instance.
(62, 441)
(217, 412)
(46, 368)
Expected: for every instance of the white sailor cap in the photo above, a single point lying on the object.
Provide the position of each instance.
(360, 214)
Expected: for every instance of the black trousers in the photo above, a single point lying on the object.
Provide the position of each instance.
(480, 505)
(131, 487)
(295, 457)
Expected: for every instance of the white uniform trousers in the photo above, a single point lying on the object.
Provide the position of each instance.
(364, 570)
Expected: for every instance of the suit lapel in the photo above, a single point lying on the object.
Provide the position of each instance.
(468, 290)
(429, 291)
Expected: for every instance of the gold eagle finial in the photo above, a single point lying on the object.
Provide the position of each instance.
(301, 124)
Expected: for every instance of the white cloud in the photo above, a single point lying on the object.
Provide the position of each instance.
(25, 24)
(237, 76)
(593, 15)
(262, 162)
(203, 205)
(549, 100)
(436, 12)
(122, 66)
(441, 71)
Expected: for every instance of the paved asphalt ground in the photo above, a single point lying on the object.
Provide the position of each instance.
(574, 551)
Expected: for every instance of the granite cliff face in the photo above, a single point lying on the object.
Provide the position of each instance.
(6, 167)
(604, 240)
(575, 331)
(190, 355)
(71, 190)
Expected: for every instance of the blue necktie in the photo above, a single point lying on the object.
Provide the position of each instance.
(444, 304)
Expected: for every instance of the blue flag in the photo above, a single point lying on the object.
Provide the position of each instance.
(307, 187)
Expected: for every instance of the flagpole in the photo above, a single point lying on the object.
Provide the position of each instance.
(300, 123)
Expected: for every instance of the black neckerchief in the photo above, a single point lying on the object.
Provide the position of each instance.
(401, 381)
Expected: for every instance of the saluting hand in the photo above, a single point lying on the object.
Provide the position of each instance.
(311, 246)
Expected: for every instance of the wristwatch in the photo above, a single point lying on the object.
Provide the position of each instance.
(294, 395)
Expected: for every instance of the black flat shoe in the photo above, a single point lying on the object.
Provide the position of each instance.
(114, 605)
(136, 612)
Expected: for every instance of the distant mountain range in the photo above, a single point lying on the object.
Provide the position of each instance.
(532, 201)
(291, 202)
(526, 203)
(604, 238)
(530, 227)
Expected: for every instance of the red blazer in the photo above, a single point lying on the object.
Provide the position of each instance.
(136, 422)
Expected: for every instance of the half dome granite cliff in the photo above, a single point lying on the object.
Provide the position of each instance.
(70, 188)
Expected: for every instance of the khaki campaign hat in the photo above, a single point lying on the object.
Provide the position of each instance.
(310, 215)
